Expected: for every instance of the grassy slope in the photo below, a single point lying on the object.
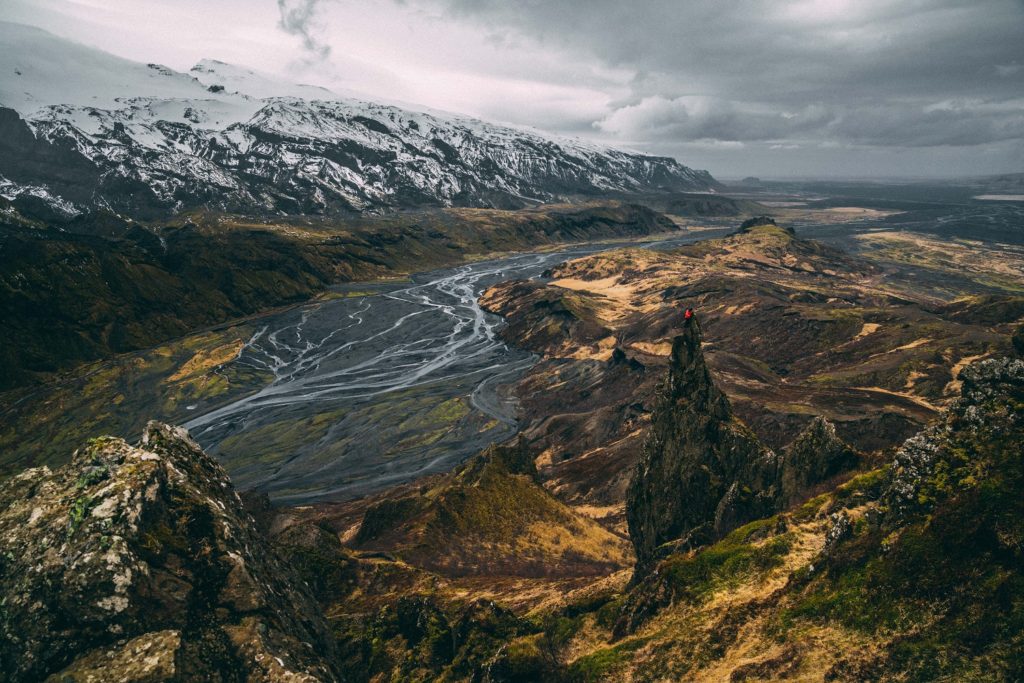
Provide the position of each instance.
(491, 518)
(910, 572)
(43, 426)
(437, 570)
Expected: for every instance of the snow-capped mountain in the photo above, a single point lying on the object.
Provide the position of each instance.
(80, 129)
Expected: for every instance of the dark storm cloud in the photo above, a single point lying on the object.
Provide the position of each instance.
(298, 18)
(913, 73)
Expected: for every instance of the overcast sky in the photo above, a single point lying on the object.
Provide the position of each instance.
(775, 88)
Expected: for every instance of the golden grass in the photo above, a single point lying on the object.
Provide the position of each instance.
(208, 359)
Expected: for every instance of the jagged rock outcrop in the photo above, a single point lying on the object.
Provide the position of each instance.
(816, 455)
(702, 472)
(988, 412)
(936, 570)
(139, 563)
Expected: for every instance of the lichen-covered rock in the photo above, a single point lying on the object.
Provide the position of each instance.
(702, 473)
(935, 573)
(139, 563)
(147, 658)
(991, 405)
(840, 527)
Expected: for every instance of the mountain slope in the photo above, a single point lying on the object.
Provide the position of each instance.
(228, 138)
(793, 329)
(491, 517)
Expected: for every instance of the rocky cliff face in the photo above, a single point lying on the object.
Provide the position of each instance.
(701, 472)
(981, 425)
(138, 563)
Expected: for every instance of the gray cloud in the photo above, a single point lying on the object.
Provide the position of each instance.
(952, 123)
(914, 73)
(741, 87)
(298, 18)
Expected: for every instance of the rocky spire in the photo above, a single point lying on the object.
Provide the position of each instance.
(816, 455)
(689, 380)
(702, 472)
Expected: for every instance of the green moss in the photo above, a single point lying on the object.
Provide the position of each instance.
(91, 475)
(603, 664)
(559, 630)
(79, 511)
(609, 613)
(867, 485)
(697, 576)
(523, 659)
(810, 509)
(750, 532)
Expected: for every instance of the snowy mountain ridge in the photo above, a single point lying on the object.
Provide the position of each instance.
(82, 129)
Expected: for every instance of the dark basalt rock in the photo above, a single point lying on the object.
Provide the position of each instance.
(702, 472)
(137, 563)
(619, 357)
(29, 160)
(816, 455)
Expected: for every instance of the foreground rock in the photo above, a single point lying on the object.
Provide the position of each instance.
(139, 563)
